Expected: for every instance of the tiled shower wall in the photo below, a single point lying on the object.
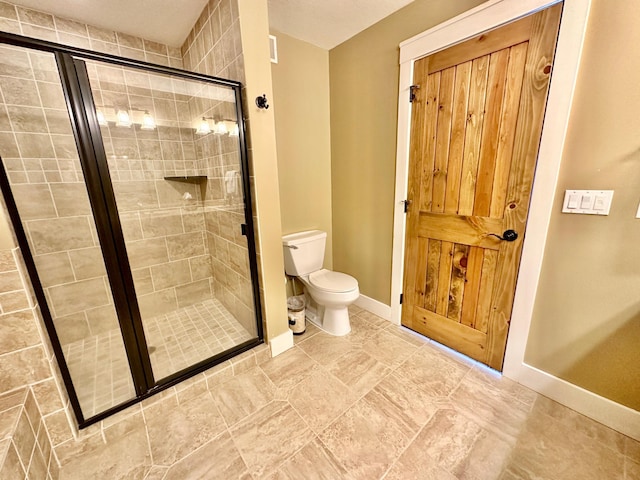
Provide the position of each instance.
(40, 157)
(25, 358)
(214, 47)
(51, 157)
(173, 227)
(32, 23)
(41, 161)
(164, 231)
(163, 220)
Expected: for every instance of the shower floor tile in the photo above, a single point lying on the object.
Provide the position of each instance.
(100, 372)
(176, 340)
(190, 335)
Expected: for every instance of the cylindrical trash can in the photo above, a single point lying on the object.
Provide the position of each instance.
(296, 312)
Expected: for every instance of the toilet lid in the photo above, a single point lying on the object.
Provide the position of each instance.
(333, 281)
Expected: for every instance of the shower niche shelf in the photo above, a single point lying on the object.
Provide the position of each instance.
(188, 178)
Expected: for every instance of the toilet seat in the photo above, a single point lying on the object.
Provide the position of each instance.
(333, 281)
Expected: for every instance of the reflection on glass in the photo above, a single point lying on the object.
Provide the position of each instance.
(180, 199)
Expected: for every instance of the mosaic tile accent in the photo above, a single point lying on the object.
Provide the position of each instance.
(192, 334)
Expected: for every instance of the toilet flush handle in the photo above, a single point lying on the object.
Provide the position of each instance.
(292, 247)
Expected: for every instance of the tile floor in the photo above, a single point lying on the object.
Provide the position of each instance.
(378, 403)
(176, 340)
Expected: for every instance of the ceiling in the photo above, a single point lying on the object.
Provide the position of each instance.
(328, 23)
(325, 23)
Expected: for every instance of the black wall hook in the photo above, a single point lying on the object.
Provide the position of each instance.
(261, 102)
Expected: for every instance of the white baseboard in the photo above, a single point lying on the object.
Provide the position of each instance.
(281, 343)
(374, 306)
(623, 419)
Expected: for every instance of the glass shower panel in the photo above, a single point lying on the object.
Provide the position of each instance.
(39, 155)
(173, 154)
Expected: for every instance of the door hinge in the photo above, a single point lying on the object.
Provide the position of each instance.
(401, 297)
(406, 205)
(243, 229)
(412, 92)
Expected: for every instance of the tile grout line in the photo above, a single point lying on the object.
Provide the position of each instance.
(409, 443)
(146, 431)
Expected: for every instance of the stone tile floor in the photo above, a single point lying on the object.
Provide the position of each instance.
(378, 403)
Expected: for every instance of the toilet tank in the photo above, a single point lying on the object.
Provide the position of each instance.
(303, 252)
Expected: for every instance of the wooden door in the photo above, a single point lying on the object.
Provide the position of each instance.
(475, 129)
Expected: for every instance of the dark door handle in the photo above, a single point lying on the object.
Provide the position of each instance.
(507, 235)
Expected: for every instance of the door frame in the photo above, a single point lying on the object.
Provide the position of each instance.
(486, 16)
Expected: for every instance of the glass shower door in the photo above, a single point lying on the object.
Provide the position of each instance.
(173, 155)
(44, 181)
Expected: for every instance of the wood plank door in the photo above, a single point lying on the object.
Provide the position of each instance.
(475, 129)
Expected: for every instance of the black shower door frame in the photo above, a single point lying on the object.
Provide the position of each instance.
(86, 129)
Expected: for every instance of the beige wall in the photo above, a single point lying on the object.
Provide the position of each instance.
(263, 164)
(586, 323)
(301, 108)
(364, 95)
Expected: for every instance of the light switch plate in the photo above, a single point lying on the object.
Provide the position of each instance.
(589, 202)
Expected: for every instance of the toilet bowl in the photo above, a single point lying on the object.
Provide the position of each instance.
(333, 292)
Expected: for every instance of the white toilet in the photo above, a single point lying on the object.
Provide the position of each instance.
(333, 292)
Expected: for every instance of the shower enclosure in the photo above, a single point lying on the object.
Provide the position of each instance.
(128, 189)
